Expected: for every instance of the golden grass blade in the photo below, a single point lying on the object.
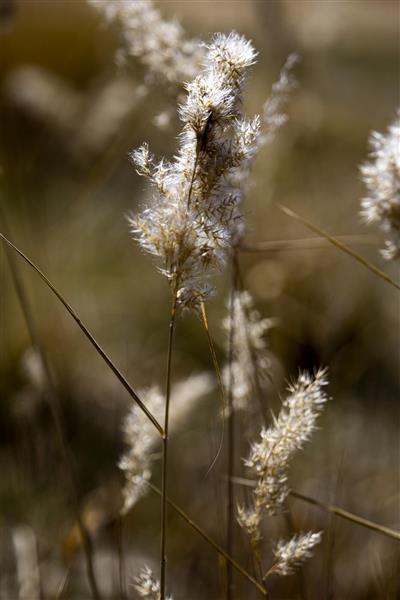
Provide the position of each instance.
(220, 384)
(340, 512)
(53, 403)
(344, 514)
(290, 213)
(313, 243)
(211, 542)
(87, 333)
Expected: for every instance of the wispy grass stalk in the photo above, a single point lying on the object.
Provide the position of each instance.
(164, 482)
(53, 403)
(87, 333)
(330, 508)
(338, 244)
(212, 542)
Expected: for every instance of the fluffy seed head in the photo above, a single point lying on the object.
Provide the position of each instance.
(293, 553)
(147, 586)
(194, 216)
(382, 178)
(269, 459)
(250, 363)
(159, 45)
(141, 438)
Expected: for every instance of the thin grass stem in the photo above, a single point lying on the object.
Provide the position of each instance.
(211, 542)
(330, 508)
(164, 484)
(338, 244)
(217, 369)
(231, 430)
(53, 403)
(313, 243)
(89, 335)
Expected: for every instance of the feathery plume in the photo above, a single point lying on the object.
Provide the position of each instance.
(293, 553)
(273, 113)
(141, 437)
(382, 178)
(194, 216)
(250, 360)
(147, 586)
(159, 45)
(269, 458)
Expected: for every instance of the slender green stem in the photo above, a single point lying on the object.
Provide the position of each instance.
(89, 335)
(164, 483)
(211, 542)
(338, 244)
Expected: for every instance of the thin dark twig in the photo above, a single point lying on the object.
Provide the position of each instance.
(210, 541)
(90, 337)
(290, 213)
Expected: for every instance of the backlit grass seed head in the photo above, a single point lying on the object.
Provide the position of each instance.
(160, 45)
(250, 359)
(274, 115)
(382, 178)
(147, 586)
(141, 438)
(250, 521)
(293, 553)
(269, 459)
(194, 214)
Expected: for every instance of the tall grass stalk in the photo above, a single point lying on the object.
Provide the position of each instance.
(164, 482)
(53, 404)
(212, 542)
(338, 244)
(88, 334)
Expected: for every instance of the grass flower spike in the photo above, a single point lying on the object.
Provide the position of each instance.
(141, 438)
(269, 458)
(250, 361)
(194, 215)
(293, 553)
(159, 45)
(147, 586)
(273, 114)
(382, 179)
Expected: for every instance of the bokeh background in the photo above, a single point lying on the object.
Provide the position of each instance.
(68, 118)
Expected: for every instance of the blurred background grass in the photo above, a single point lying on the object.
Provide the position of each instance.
(68, 118)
